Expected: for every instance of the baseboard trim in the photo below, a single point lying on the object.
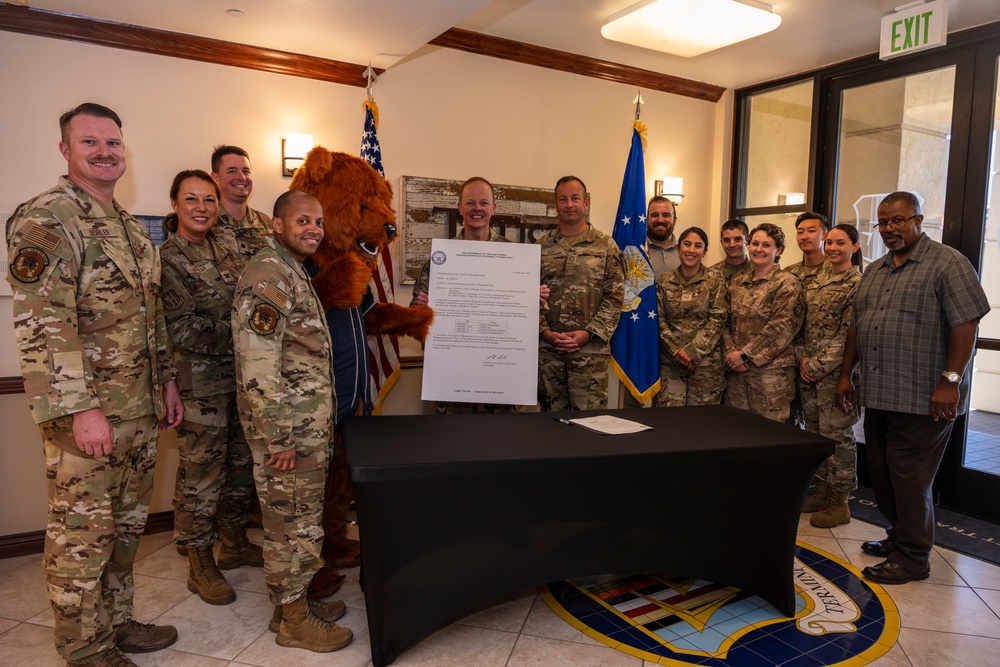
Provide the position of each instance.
(24, 544)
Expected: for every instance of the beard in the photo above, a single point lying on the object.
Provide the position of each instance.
(659, 234)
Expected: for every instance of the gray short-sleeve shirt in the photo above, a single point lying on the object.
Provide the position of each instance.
(903, 315)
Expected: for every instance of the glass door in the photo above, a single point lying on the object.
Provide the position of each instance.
(977, 465)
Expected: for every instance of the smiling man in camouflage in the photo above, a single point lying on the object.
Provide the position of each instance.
(284, 390)
(95, 358)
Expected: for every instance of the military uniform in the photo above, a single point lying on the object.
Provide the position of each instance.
(765, 317)
(284, 388)
(215, 460)
(91, 334)
(585, 275)
(245, 237)
(693, 313)
(807, 275)
(454, 407)
(730, 271)
(829, 305)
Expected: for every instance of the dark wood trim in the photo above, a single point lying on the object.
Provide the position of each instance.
(411, 362)
(11, 385)
(23, 544)
(177, 45)
(191, 47)
(540, 56)
(159, 522)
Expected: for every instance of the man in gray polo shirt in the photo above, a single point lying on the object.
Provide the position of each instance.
(661, 245)
(915, 320)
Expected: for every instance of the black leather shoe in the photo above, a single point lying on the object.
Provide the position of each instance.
(878, 548)
(888, 572)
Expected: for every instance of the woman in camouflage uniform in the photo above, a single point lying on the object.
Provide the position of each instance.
(820, 351)
(693, 301)
(766, 312)
(200, 273)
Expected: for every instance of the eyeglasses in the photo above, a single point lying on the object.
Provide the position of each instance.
(895, 223)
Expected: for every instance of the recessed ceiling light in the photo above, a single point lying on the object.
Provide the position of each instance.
(235, 12)
(690, 27)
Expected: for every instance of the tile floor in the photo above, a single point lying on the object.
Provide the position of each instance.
(953, 618)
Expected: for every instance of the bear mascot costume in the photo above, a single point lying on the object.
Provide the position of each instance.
(359, 221)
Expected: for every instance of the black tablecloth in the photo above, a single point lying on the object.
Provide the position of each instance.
(457, 510)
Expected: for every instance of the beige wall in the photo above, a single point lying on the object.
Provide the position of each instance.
(444, 114)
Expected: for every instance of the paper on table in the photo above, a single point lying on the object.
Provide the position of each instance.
(609, 425)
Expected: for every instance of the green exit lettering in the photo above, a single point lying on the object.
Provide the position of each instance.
(911, 34)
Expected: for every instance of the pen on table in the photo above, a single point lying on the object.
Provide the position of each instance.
(561, 421)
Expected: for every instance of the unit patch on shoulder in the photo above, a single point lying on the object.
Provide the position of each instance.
(29, 264)
(264, 319)
(171, 299)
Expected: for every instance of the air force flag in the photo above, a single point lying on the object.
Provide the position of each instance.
(635, 350)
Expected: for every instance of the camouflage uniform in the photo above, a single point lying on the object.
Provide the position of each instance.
(807, 275)
(246, 236)
(766, 315)
(91, 334)
(453, 407)
(215, 460)
(829, 300)
(284, 388)
(693, 313)
(729, 271)
(586, 277)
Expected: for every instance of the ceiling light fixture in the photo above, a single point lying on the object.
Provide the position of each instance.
(690, 28)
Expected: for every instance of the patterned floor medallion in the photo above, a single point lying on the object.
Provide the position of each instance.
(840, 619)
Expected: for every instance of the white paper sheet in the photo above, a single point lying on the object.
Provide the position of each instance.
(608, 425)
(483, 344)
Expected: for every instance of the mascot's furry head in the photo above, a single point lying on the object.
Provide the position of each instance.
(356, 200)
(358, 223)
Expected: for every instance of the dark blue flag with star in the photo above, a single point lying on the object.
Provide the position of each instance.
(635, 349)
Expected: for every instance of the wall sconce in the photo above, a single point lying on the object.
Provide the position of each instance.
(293, 152)
(671, 187)
(792, 199)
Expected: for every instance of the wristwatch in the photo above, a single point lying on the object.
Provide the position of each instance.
(952, 377)
(745, 357)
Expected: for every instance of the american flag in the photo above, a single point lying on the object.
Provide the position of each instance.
(383, 351)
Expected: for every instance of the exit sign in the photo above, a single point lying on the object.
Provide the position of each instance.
(914, 29)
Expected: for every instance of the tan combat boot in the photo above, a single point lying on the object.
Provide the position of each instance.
(205, 579)
(238, 550)
(110, 658)
(835, 513)
(816, 500)
(300, 628)
(328, 611)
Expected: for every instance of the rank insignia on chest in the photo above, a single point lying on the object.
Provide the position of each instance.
(29, 264)
(264, 319)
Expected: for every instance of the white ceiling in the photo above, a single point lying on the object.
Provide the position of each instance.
(813, 33)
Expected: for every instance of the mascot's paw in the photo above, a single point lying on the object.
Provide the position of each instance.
(324, 583)
(346, 553)
(393, 319)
